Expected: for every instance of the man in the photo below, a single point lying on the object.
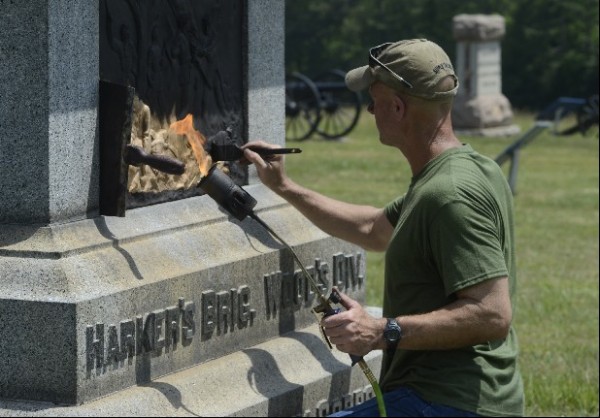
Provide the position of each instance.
(450, 277)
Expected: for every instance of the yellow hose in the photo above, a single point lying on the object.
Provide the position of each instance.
(362, 363)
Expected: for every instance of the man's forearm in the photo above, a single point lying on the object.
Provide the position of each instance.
(481, 313)
(350, 222)
(458, 325)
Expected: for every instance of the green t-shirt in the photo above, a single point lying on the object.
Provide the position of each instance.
(453, 229)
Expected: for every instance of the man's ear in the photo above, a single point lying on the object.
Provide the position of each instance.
(399, 107)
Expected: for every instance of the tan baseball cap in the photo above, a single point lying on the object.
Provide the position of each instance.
(414, 67)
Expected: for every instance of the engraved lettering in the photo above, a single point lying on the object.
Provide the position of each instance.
(148, 334)
(172, 327)
(209, 303)
(303, 289)
(188, 328)
(369, 393)
(226, 310)
(359, 396)
(336, 406)
(94, 346)
(113, 349)
(223, 312)
(353, 268)
(287, 290)
(350, 272)
(326, 407)
(322, 409)
(139, 334)
(127, 338)
(309, 293)
(272, 293)
(323, 273)
(244, 311)
(158, 331)
(299, 287)
(339, 270)
(283, 290)
(233, 307)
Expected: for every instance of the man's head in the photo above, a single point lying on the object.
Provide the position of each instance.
(416, 67)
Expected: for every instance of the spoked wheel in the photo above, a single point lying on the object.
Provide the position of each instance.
(302, 107)
(587, 116)
(340, 107)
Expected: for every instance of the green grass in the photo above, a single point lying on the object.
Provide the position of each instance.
(557, 246)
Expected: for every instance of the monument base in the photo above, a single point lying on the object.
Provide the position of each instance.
(489, 115)
(490, 132)
(292, 375)
(106, 313)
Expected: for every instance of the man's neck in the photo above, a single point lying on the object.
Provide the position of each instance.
(424, 147)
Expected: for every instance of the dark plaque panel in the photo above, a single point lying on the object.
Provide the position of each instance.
(181, 57)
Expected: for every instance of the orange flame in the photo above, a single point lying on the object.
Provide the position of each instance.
(185, 127)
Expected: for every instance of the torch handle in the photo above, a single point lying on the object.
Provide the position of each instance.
(264, 152)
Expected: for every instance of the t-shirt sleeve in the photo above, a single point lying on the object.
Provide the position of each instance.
(466, 246)
(393, 209)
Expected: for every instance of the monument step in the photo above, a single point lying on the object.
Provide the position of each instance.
(100, 305)
(293, 375)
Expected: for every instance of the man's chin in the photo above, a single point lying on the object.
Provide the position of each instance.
(385, 141)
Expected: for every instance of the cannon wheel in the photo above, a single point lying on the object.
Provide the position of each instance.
(340, 107)
(302, 107)
(587, 115)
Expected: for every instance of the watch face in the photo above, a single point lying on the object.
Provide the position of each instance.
(392, 332)
(392, 335)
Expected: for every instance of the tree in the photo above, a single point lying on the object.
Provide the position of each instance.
(550, 48)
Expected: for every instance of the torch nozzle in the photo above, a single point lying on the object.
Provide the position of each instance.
(235, 200)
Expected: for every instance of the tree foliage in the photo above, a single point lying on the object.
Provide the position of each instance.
(550, 48)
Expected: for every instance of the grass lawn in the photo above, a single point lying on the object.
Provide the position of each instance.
(557, 246)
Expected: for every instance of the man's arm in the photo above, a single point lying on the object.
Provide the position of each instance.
(363, 225)
(481, 313)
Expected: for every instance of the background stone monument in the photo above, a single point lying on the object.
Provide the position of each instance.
(176, 308)
(480, 107)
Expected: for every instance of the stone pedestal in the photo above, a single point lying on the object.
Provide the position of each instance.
(177, 308)
(480, 107)
(96, 307)
(263, 380)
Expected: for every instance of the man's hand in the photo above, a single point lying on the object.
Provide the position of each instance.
(270, 169)
(362, 225)
(354, 331)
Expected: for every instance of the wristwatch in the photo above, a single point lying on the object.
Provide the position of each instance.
(392, 334)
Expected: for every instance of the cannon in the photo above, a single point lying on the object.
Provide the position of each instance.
(324, 106)
(586, 115)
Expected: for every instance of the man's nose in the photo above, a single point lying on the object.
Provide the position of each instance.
(370, 107)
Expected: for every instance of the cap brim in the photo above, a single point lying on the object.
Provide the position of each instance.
(359, 78)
